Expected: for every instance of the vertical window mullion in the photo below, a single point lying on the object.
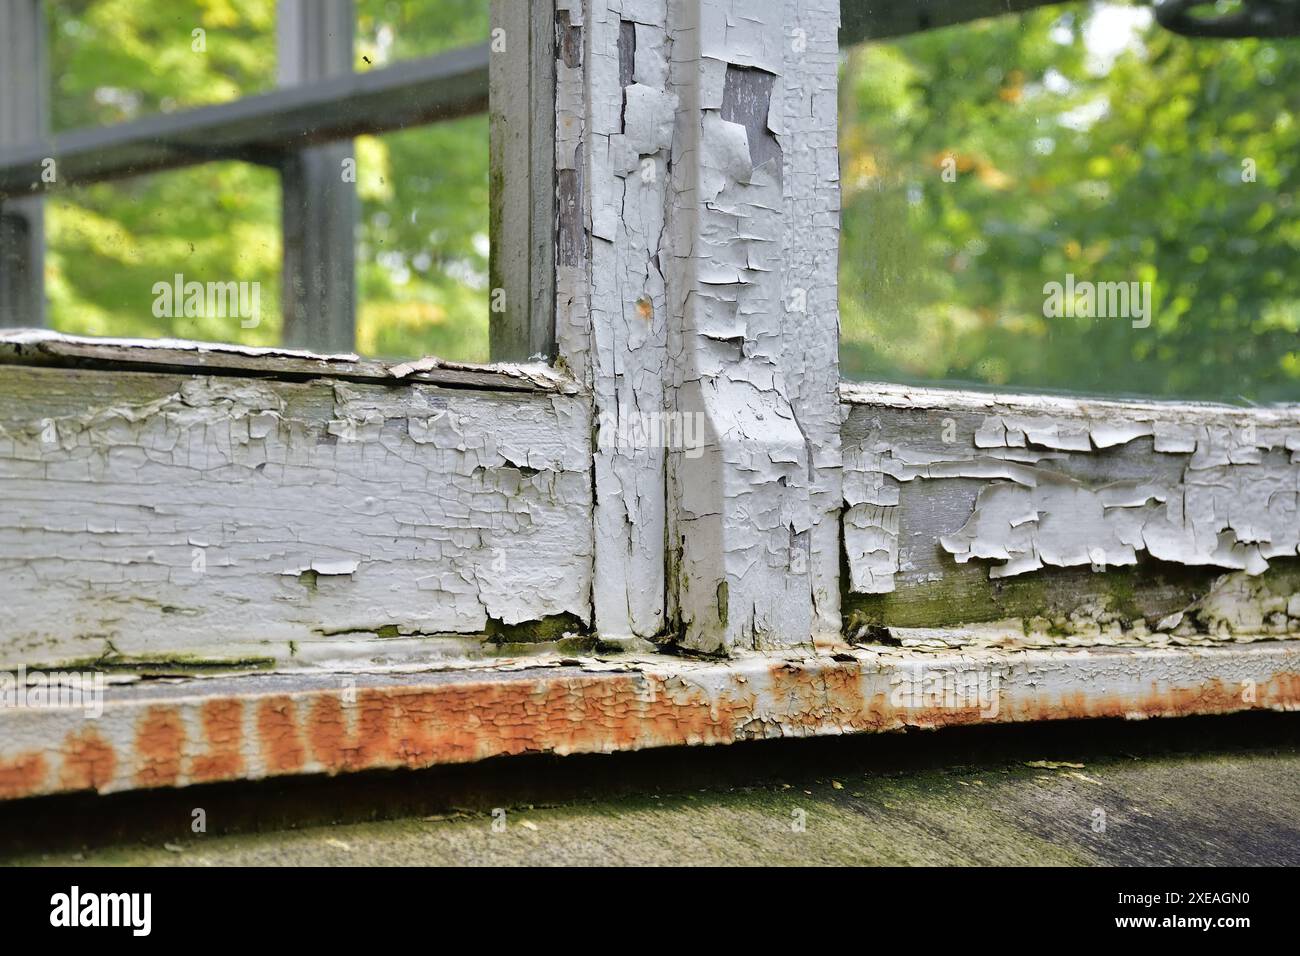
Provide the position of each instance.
(24, 116)
(319, 205)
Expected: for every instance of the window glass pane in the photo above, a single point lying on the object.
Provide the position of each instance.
(1073, 198)
(422, 252)
(393, 30)
(112, 61)
(114, 250)
(421, 236)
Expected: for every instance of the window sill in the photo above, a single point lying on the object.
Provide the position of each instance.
(52, 349)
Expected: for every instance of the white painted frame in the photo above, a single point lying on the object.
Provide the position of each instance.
(678, 478)
(463, 562)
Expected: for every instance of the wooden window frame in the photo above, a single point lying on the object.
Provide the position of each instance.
(559, 153)
(441, 563)
(532, 571)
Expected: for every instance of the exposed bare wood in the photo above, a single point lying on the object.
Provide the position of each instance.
(1075, 512)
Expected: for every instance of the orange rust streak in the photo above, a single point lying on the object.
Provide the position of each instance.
(471, 722)
(277, 731)
(466, 722)
(159, 740)
(22, 775)
(88, 762)
(223, 726)
(352, 737)
(1283, 689)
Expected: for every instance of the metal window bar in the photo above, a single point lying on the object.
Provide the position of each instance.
(296, 130)
(24, 114)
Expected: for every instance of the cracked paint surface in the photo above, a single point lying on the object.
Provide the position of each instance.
(1067, 483)
(629, 136)
(1233, 506)
(753, 329)
(708, 296)
(221, 517)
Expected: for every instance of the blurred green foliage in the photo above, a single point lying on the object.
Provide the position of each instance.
(1085, 140)
(422, 240)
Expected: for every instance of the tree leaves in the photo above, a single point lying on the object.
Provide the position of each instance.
(422, 234)
(1128, 170)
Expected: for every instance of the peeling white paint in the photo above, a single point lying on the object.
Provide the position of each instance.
(541, 375)
(1234, 506)
(709, 294)
(1212, 486)
(629, 134)
(149, 515)
(753, 226)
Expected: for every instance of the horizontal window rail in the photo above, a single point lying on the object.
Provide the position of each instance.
(260, 129)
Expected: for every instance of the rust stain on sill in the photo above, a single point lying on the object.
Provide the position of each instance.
(23, 774)
(251, 733)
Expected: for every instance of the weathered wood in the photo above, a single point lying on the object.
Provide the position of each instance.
(33, 347)
(318, 197)
(965, 506)
(753, 329)
(296, 508)
(522, 156)
(261, 128)
(199, 518)
(696, 145)
(24, 117)
(614, 306)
